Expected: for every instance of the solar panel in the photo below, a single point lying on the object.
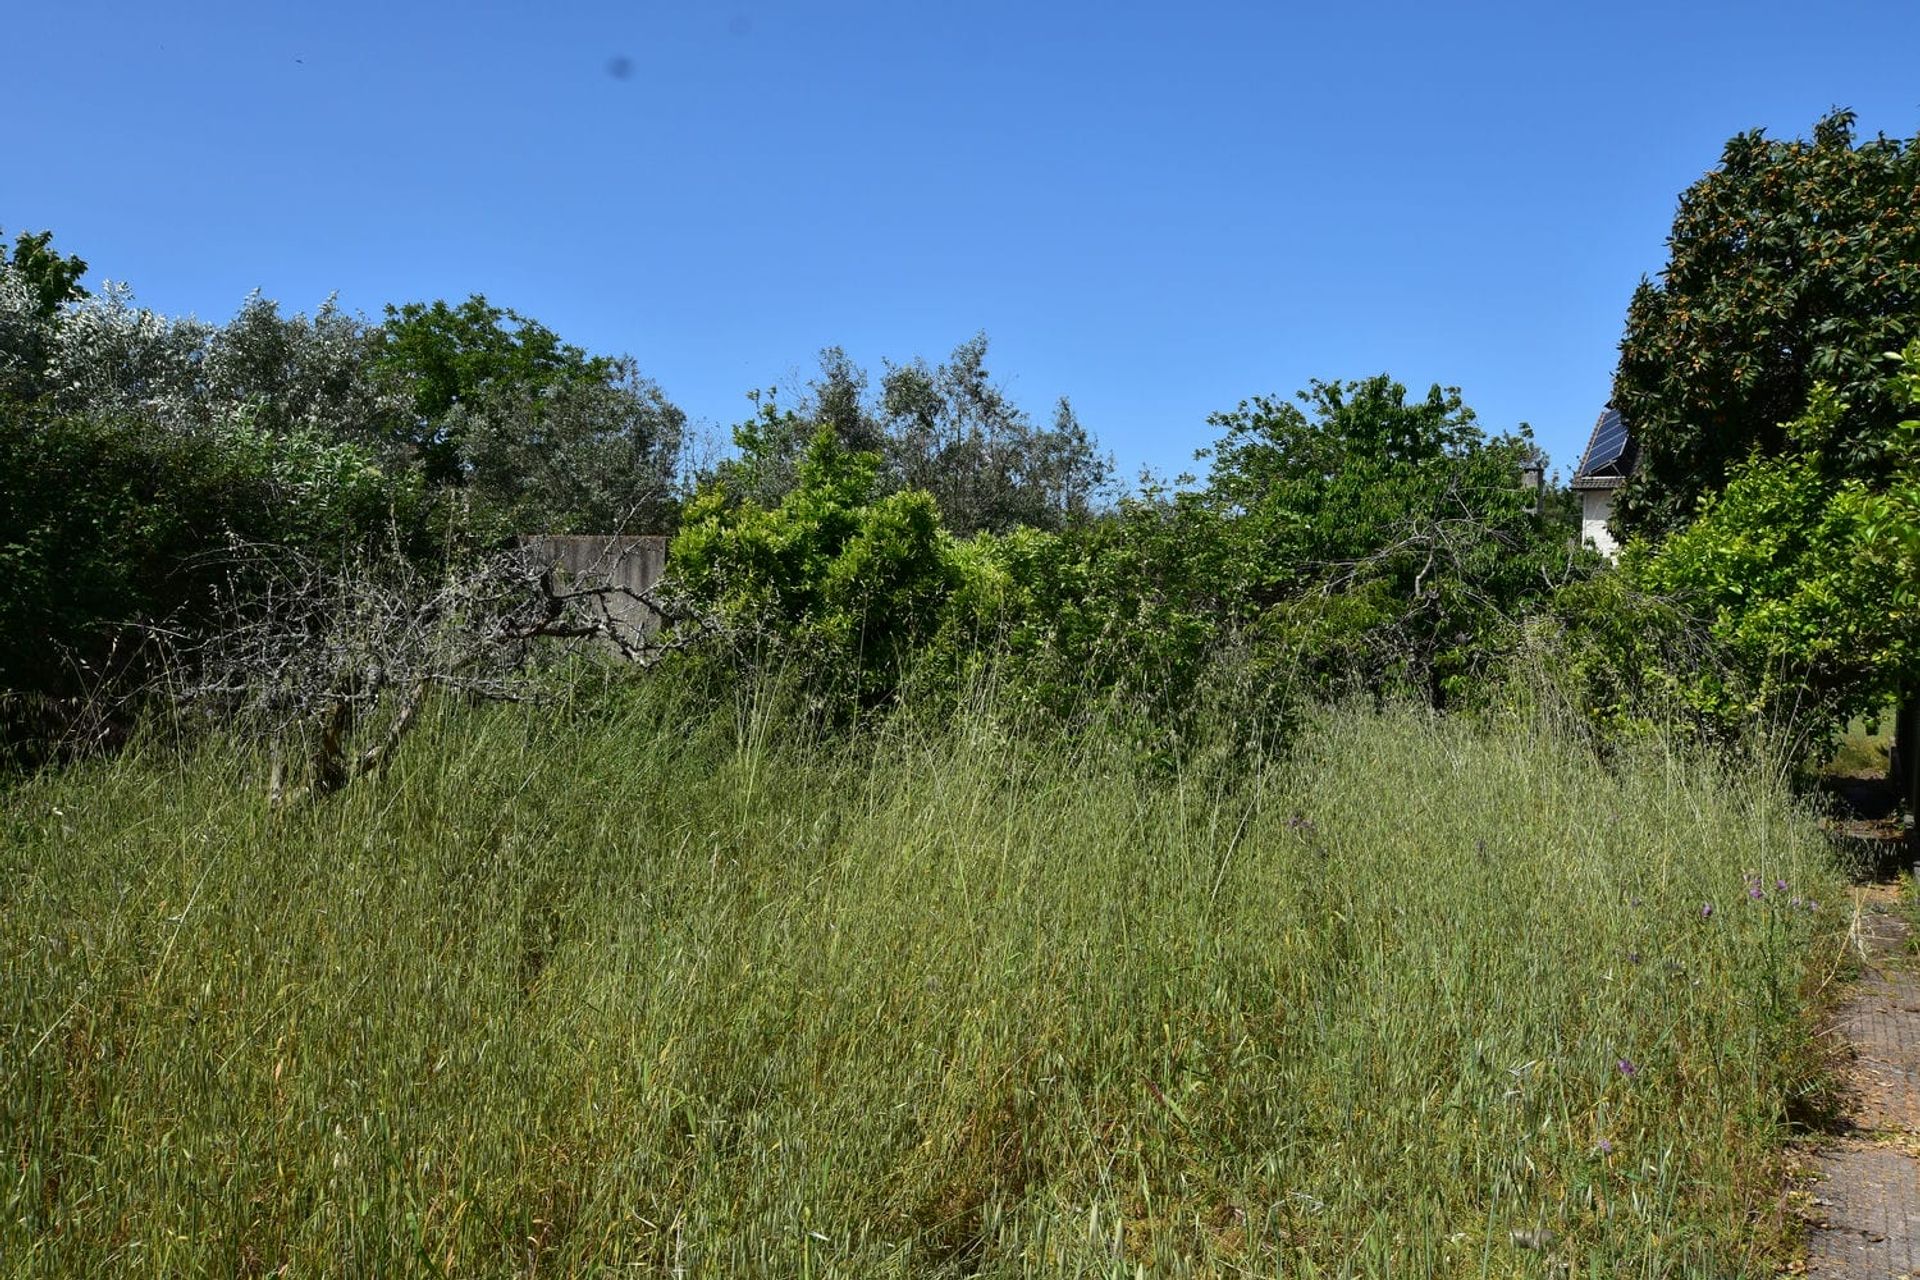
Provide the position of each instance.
(1608, 444)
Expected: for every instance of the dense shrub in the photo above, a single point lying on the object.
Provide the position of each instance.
(112, 526)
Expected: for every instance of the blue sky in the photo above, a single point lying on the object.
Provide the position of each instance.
(1155, 209)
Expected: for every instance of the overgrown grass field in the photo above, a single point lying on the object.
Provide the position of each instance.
(659, 991)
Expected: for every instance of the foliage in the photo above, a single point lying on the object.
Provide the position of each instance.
(845, 584)
(946, 430)
(547, 437)
(1808, 578)
(589, 455)
(1386, 542)
(53, 277)
(955, 434)
(1791, 263)
(110, 526)
(35, 282)
(1364, 544)
(297, 373)
(443, 356)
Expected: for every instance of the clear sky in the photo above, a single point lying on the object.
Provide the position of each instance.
(1155, 209)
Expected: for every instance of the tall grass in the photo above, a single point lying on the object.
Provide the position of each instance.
(650, 990)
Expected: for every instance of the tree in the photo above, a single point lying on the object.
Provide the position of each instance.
(844, 582)
(586, 455)
(1808, 580)
(545, 436)
(945, 430)
(53, 277)
(1384, 540)
(300, 373)
(953, 432)
(443, 356)
(1789, 263)
(35, 282)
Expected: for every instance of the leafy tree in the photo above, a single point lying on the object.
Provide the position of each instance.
(843, 582)
(954, 433)
(54, 278)
(1383, 540)
(443, 356)
(35, 282)
(545, 436)
(109, 355)
(1807, 580)
(588, 455)
(1789, 263)
(300, 373)
(946, 430)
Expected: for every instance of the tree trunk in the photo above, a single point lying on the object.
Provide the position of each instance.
(1904, 767)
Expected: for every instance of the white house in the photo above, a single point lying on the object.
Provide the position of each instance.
(1603, 468)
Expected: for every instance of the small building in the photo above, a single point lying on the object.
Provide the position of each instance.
(1604, 467)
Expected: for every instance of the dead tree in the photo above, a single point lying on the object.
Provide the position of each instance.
(333, 665)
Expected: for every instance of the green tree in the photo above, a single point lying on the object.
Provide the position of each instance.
(843, 584)
(53, 277)
(445, 356)
(955, 433)
(1382, 539)
(1808, 580)
(1790, 263)
(35, 282)
(545, 436)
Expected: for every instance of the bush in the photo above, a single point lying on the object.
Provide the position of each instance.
(115, 527)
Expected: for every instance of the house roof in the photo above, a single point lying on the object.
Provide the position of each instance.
(1610, 454)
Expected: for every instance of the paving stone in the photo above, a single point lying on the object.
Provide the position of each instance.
(1868, 1198)
(1871, 1208)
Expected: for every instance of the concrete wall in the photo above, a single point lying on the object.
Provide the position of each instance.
(1596, 508)
(635, 563)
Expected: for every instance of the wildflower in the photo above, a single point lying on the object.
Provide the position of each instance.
(1755, 892)
(1706, 911)
(1812, 905)
(1627, 1067)
(1780, 886)
(1604, 1147)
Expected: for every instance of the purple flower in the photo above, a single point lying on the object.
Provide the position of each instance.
(1604, 1147)
(1755, 892)
(1813, 906)
(1706, 911)
(1627, 1068)
(1780, 886)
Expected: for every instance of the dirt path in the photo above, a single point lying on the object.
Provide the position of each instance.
(1867, 1201)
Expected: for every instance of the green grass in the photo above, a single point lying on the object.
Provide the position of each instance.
(650, 992)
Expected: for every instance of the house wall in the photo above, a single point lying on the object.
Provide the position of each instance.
(1596, 508)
